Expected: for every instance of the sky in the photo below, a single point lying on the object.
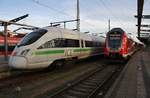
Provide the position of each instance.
(94, 14)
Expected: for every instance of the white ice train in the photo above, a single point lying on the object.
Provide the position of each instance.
(49, 46)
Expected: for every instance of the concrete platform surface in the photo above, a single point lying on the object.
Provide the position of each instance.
(134, 81)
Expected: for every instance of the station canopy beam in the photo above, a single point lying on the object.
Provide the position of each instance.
(145, 30)
(143, 25)
(14, 20)
(14, 23)
(143, 16)
(146, 16)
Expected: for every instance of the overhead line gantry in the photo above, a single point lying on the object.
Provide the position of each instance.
(11, 22)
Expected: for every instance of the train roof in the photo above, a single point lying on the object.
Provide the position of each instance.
(83, 35)
(116, 29)
(134, 38)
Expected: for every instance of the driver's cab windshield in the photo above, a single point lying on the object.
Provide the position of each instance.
(32, 37)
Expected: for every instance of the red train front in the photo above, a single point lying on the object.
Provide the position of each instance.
(117, 44)
(12, 42)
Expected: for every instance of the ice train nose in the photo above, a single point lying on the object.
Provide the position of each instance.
(18, 62)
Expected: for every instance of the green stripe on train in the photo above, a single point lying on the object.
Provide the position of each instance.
(49, 52)
(60, 51)
(83, 49)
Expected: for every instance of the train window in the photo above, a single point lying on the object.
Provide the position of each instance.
(89, 44)
(114, 40)
(97, 44)
(49, 44)
(72, 43)
(59, 43)
(10, 48)
(2, 48)
(32, 37)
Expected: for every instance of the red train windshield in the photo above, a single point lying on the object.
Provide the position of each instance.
(114, 39)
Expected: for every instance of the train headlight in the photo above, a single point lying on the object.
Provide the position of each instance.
(24, 52)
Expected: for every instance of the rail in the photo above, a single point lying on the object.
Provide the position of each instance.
(88, 86)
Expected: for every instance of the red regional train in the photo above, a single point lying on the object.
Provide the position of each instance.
(12, 42)
(119, 45)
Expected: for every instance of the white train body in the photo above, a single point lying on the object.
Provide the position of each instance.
(39, 49)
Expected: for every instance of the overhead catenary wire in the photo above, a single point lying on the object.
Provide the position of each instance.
(110, 11)
(52, 8)
(61, 12)
(87, 7)
(94, 14)
(122, 12)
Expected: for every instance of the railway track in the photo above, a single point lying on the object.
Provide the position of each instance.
(91, 85)
(11, 73)
(47, 82)
(22, 84)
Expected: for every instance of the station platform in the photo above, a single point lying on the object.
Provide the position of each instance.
(134, 81)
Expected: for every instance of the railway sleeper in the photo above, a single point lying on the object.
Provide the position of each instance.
(66, 96)
(92, 81)
(89, 83)
(95, 77)
(86, 86)
(82, 89)
(76, 93)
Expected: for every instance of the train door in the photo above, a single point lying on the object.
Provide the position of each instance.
(82, 43)
(40, 57)
(82, 46)
(73, 48)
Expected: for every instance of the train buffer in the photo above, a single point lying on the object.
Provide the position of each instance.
(134, 81)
